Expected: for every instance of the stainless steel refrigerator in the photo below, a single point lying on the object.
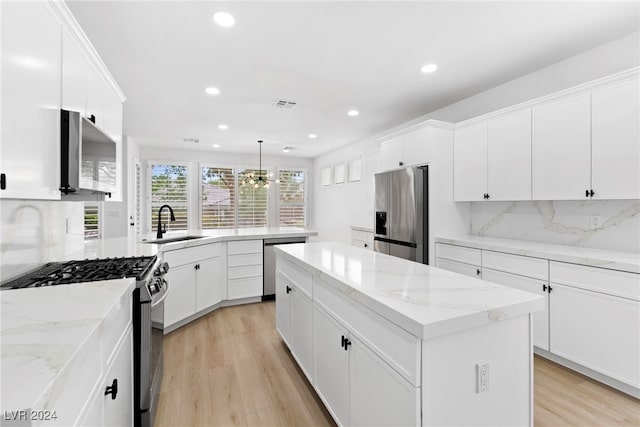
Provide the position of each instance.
(402, 212)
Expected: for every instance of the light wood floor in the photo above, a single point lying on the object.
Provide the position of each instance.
(231, 368)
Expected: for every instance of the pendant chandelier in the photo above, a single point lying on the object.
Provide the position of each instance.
(257, 181)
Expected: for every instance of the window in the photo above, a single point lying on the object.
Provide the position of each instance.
(169, 185)
(291, 197)
(91, 221)
(252, 201)
(218, 198)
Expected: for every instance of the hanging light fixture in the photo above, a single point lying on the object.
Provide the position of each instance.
(257, 181)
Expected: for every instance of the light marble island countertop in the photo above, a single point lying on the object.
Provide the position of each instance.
(603, 258)
(51, 337)
(425, 301)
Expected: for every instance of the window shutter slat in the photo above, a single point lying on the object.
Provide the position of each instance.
(169, 187)
(292, 197)
(91, 222)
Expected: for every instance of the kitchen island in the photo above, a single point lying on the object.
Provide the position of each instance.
(388, 341)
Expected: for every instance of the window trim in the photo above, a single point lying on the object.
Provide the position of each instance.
(149, 163)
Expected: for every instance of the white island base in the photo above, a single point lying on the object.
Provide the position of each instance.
(385, 341)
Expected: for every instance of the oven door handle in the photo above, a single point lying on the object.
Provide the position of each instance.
(162, 298)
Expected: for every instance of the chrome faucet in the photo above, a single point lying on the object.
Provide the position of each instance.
(162, 230)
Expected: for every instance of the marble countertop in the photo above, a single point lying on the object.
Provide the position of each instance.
(46, 333)
(622, 261)
(426, 301)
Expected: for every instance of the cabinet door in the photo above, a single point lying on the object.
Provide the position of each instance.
(30, 101)
(615, 142)
(377, 394)
(391, 152)
(470, 163)
(302, 324)
(598, 331)
(96, 93)
(561, 154)
(181, 301)
(509, 157)
(74, 75)
(527, 284)
(415, 149)
(283, 309)
(209, 283)
(119, 411)
(459, 267)
(331, 365)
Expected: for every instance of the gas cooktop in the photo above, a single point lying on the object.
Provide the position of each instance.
(89, 270)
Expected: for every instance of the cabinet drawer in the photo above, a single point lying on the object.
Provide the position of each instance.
(114, 325)
(611, 282)
(244, 288)
(362, 235)
(516, 264)
(296, 275)
(244, 260)
(244, 247)
(394, 345)
(458, 267)
(245, 271)
(184, 256)
(362, 244)
(459, 253)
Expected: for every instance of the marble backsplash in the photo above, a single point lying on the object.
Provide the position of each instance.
(603, 224)
(33, 232)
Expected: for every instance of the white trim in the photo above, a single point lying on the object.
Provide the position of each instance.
(591, 86)
(69, 21)
(438, 124)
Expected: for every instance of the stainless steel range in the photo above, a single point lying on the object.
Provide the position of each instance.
(148, 297)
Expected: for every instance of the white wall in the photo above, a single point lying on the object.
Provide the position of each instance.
(196, 157)
(335, 210)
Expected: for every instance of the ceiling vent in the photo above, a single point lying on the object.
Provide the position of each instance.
(196, 140)
(281, 103)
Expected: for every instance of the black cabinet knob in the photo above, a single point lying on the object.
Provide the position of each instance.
(342, 341)
(586, 193)
(591, 193)
(288, 290)
(544, 288)
(477, 272)
(366, 246)
(347, 343)
(112, 389)
(400, 163)
(3, 181)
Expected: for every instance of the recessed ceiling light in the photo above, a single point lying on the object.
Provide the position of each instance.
(216, 145)
(223, 127)
(212, 90)
(224, 19)
(313, 135)
(429, 68)
(353, 113)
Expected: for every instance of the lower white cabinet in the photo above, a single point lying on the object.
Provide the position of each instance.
(459, 259)
(357, 386)
(528, 284)
(116, 407)
(196, 281)
(362, 239)
(244, 262)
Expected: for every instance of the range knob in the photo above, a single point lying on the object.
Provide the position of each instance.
(164, 267)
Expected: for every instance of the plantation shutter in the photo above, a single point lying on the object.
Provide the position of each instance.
(91, 221)
(138, 199)
(252, 202)
(169, 187)
(291, 197)
(218, 198)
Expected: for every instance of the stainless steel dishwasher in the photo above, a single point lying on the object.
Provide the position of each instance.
(269, 264)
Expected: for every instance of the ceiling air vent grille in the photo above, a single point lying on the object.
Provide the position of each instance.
(281, 103)
(196, 140)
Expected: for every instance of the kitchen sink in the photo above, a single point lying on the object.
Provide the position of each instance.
(173, 239)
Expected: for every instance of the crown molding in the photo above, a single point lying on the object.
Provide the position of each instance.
(591, 86)
(436, 124)
(62, 11)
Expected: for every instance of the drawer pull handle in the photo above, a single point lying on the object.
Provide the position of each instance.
(366, 246)
(343, 341)
(347, 343)
(477, 272)
(112, 389)
(288, 290)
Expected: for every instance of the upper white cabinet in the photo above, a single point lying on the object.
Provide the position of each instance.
(391, 152)
(412, 146)
(470, 165)
(48, 64)
(561, 149)
(615, 142)
(509, 157)
(30, 101)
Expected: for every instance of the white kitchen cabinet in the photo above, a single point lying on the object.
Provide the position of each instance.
(470, 162)
(302, 324)
(362, 239)
(392, 154)
(181, 300)
(331, 364)
(509, 157)
(245, 271)
(30, 101)
(561, 154)
(96, 96)
(527, 284)
(615, 142)
(406, 150)
(208, 283)
(74, 74)
(283, 309)
(459, 259)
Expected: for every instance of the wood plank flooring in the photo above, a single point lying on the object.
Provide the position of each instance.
(230, 368)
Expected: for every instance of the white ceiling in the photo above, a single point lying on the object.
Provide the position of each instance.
(328, 57)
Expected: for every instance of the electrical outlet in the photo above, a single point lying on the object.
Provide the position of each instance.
(482, 377)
